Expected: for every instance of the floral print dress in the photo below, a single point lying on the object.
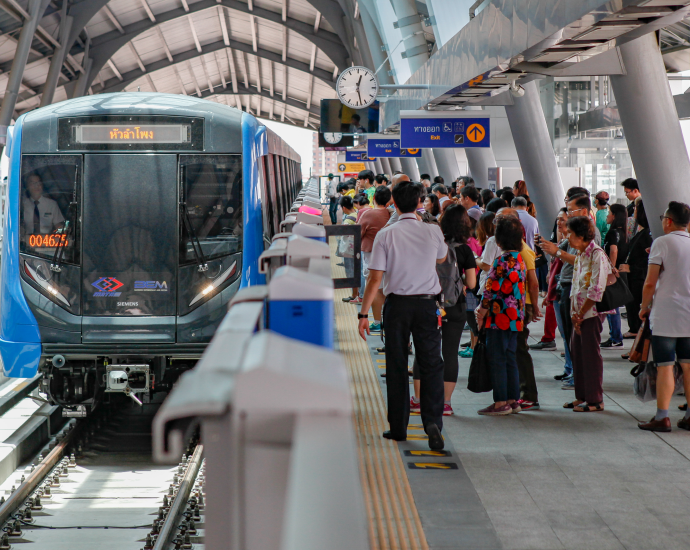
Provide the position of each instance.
(504, 293)
(591, 271)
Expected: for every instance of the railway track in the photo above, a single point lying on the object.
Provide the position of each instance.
(95, 487)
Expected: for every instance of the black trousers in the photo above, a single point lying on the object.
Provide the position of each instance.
(565, 313)
(528, 383)
(451, 334)
(635, 284)
(403, 316)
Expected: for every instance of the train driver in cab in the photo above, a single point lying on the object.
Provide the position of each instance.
(42, 215)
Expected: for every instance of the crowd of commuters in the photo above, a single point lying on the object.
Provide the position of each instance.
(438, 258)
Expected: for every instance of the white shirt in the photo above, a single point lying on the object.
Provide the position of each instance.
(442, 200)
(49, 212)
(407, 253)
(491, 252)
(531, 226)
(671, 306)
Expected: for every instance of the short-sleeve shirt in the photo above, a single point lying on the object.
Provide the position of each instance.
(465, 257)
(529, 257)
(372, 221)
(49, 213)
(531, 227)
(370, 193)
(407, 252)
(567, 271)
(671, 305)
(504, 293)
(491, 252)
(616, 237)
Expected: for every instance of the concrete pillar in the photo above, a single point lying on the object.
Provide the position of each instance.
(386, 166)
(9, 101)
(535, 152)
(395, 165)
(409, 168)
(378, 167)
(427, 164)
(375, 45)
(411, 29)
(447, 165)
(652, 129)
(480, 159)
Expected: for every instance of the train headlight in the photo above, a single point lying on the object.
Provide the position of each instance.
(215, 284)
(45, 284)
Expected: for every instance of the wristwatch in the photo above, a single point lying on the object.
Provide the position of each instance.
(558, 254)
(362, 316)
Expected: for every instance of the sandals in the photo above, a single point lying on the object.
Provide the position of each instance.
(572, 405)
(588, 408)
(625, 356)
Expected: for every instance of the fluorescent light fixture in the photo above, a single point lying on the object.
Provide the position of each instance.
(608, 30)
(556, 56)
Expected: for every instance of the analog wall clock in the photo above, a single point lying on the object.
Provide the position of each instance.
(357, 87)
(332, 137)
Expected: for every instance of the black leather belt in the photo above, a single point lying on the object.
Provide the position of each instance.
(416, 296)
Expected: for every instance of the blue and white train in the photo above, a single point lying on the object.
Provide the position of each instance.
(131, 220)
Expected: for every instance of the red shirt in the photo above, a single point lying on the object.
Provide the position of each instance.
(372, 221)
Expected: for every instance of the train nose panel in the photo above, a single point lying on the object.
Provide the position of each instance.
(130, 245)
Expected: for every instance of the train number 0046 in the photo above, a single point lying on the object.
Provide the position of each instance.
(47, 241)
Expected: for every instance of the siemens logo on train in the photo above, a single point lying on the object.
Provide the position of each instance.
(131, 221)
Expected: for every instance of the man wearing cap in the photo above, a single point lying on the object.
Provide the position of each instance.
(602, 204)
(332, 194)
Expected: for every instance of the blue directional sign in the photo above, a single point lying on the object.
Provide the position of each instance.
(430, 133)
(357, 156)
(389, 148)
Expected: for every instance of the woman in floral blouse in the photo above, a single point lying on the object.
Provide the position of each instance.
(501, 312)
(591, 270)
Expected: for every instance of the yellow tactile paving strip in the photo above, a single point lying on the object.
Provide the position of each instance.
(393, 519)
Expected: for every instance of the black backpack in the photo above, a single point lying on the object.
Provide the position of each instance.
(450, 277)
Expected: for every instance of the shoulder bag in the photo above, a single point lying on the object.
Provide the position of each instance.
(616, 294)
(479, 378)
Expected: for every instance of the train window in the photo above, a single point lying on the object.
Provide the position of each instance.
(265, 203)
(273, 199)
(211, 224)
(279, 186)
(50, 201)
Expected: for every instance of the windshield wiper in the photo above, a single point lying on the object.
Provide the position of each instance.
(193, 239)
(67, 229)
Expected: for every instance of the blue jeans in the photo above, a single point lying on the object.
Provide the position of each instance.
(568, 368)
(615, 326)
(333, 210)
(667, 348)
(501, 347)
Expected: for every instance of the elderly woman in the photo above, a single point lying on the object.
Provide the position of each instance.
(591, 270)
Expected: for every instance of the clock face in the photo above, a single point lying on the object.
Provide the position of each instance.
(332, 137)
(357, 87)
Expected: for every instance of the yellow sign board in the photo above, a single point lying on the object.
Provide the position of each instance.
(351, 167)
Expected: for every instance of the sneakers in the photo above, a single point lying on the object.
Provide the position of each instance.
(562, 376)
(544, 345)
(414, 407)
(516, 408)
(348, 299)
(466, 353)
(466, 345)
(357, 300)
(492, 410)
(611, 344)
(375, 327)
(447, 410)
(568, 384)
(528, 405)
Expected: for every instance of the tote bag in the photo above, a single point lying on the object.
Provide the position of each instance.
(479, 379)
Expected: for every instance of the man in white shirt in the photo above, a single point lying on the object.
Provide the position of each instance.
(42, 215)
(332, 194)
(469, 197)
(405, 255)
(668, 284)
(441, 192)
(528, 222)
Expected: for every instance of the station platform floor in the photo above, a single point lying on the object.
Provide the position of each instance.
(548, 479)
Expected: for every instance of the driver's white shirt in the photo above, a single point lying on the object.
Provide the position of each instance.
(49, 212)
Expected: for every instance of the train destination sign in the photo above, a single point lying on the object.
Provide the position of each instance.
(389, 147)
(429, 133)
(140, 133)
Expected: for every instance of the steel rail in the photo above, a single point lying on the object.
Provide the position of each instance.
(18, 498)
(178, 505)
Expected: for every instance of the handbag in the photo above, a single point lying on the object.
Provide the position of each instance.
(616, 294)
(479, 378)
(639, 353)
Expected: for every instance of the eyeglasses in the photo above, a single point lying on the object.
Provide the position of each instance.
(662, 217)
(571, 213)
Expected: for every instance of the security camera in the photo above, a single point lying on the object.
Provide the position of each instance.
(516, 89)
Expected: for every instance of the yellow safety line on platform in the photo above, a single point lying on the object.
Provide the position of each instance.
(393, 519)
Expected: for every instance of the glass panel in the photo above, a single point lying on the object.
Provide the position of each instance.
(212, 193)
(279, 187)
(130, 233)
(49, 214)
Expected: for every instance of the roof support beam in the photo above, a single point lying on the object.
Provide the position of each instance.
(113, 19)
(147, 8)
(257, 67)
(196, 38)
(233, 72)
(113, 85)
(194, 80)
(168, 53)
(290, 102)
(255, 32)
(206, 74)
(9, 101)
(179, 80)
(270, 77)
(136, 57)
(58, 60)
(219, 66)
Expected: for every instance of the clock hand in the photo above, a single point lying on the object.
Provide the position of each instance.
(360, 96)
